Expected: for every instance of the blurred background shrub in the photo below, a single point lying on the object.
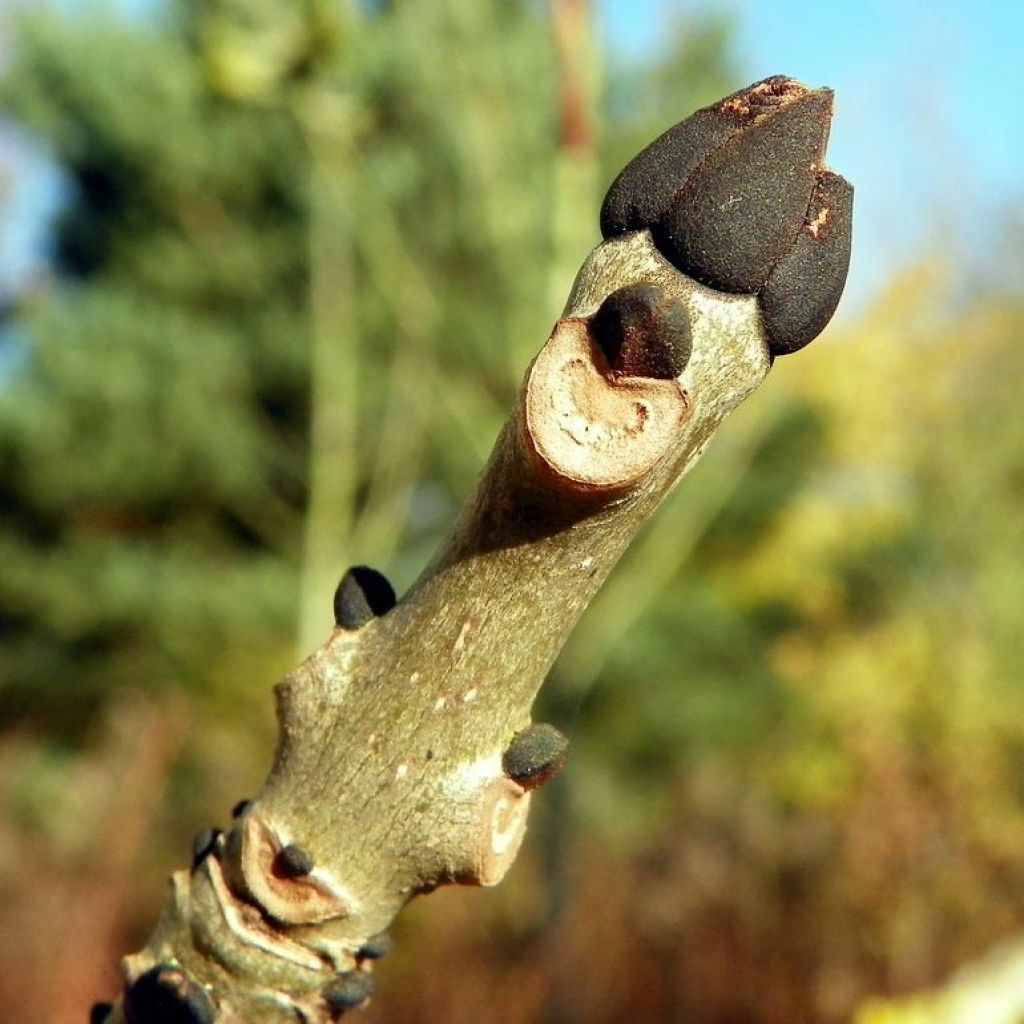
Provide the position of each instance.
(303, 251)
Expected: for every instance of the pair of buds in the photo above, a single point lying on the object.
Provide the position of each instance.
(737, 197)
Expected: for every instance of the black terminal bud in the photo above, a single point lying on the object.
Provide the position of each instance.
(99, 1012)
(375, 947)
(805, 286)
(535, 755)
(739, 214)
(294, 862)
(729, 195)
(240, 808)
(362, 594)
(203, 845)
(348, 990)
(651, 182)
(167, 995)
(643, 332)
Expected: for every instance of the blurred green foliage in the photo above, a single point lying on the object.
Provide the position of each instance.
(231, 167)
(308, 250)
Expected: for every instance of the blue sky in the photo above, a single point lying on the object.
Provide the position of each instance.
(929, 124)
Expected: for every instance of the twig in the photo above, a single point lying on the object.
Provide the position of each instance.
(406, 757)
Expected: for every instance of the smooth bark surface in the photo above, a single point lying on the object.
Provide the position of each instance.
(389, 766)
(405, 760)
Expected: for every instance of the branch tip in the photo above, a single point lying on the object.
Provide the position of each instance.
(728, 195)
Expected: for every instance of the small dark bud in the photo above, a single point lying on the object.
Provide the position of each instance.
(203, 845)
(362, 594)
(643, 332)
(732, 195)
(805, 287)
(294, 862)
(348, 990)
(167, 995)
(535, 755)
(240, 808)
(99, 1012)
(375, 947)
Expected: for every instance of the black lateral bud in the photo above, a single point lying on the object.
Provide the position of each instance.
(294, 862)
(203, 844)
(167, 995)
(99, 1012)
(362, 594)
(643, 332)
(535, 755)
(348, 990)
(375, 947)
(240, 808)
(805, 287)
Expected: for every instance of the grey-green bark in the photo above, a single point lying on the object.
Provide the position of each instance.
(389, 768)
(392, 773)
